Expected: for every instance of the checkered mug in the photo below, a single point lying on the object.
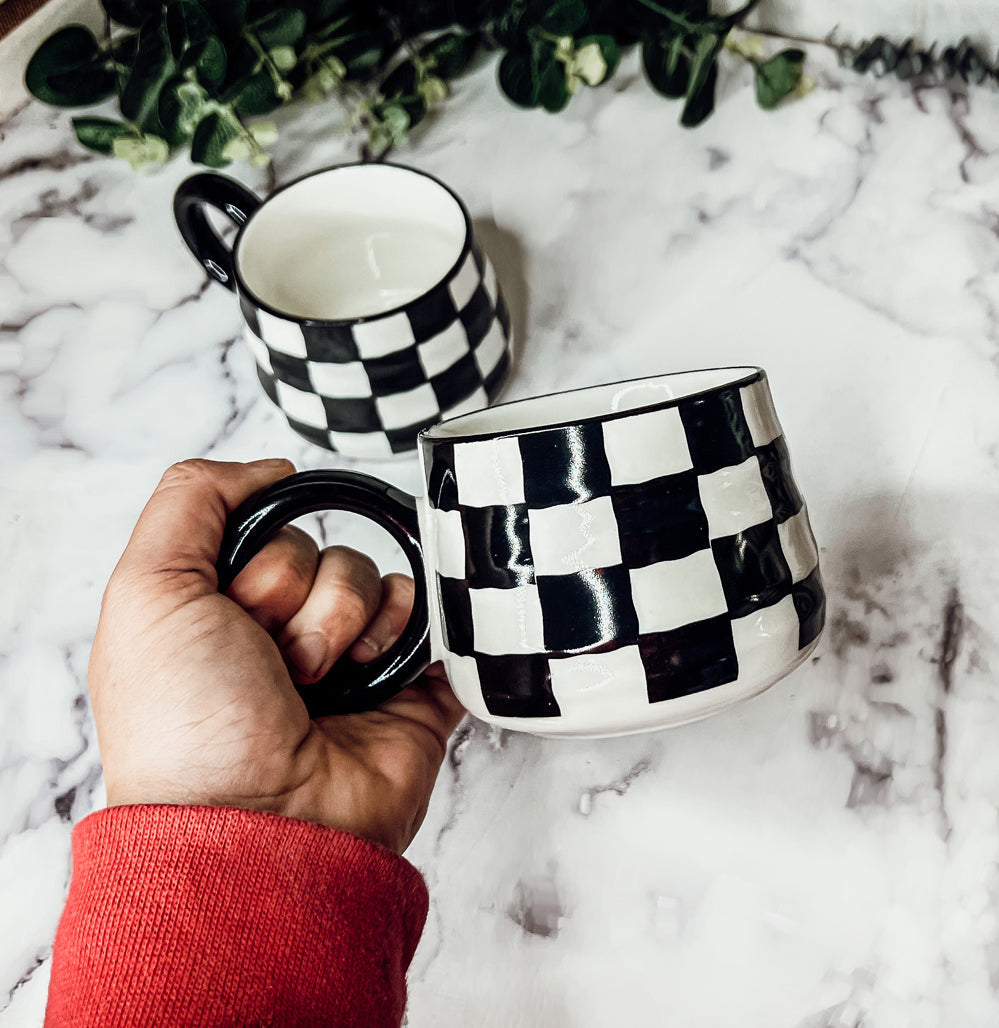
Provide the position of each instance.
(603, 561)
(370, 308)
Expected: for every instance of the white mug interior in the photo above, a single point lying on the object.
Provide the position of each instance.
(351, 242)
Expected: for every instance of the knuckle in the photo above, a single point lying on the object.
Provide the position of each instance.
(195, 469)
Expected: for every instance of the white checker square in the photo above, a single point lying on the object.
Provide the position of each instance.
(641, 447)
(401, 410)
(343, 380)
(362, 444)
(281, 334)
(489, 282)
(677, 592)
(260, 352)
(601, 686)
(476, 401)
(798, 544)
(382, 336)
(463, 285)
(449, 541)
(489, 472)
(444, 349)
(305, 407)
(575, 537)
(490, 351)
(734, 498)
(507, 620)
(766, 640)
(758, 406)
(463, 674)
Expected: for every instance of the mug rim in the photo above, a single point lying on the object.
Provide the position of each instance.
(244, 289)
(752, 373)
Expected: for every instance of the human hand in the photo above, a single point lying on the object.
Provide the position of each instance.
(192, 693)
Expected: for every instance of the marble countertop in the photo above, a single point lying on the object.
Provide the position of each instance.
(823, 856)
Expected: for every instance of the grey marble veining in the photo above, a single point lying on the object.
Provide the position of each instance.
(824, 856)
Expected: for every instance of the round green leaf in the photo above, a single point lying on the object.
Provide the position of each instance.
(254, 95)
(131, 13)
(211, 138)
(99, 134)
(701, 101)
(778, 76)
(283, 27)
(69, 70)
(666, 65)
(564, 17)
(187, 25)
(553, 92)
(516, 78)
(153, 67)
(450, 54)
(209, 59)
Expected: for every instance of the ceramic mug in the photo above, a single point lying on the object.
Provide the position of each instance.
(596, 562)
(370, 308)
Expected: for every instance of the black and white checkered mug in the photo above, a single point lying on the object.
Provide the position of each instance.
(597, 562)
(370, 308)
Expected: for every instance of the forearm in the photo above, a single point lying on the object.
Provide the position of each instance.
(215, 916)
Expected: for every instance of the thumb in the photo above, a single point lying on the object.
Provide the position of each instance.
(180, 528)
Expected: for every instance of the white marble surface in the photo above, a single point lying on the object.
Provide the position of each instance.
(825, 856)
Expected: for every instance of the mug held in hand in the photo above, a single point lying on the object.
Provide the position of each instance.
(597, 562)
(370, 308)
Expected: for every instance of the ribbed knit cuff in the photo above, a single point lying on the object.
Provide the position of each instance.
(216, 916)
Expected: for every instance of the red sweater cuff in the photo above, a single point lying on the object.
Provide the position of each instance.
(217, 916)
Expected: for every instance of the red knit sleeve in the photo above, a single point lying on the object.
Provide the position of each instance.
(214, 916)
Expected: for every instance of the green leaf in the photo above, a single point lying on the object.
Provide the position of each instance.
(181, 107)
(553, 92)
(187, 25)
(154, 65)
(253, 95)
(209, 59)
(211, 137)
(131, 13)
(450, 54)
(703, 77)
(100, 133)
(517, 80)
(400, 89)
(667, 65)
(778, 77)
(69, 70)
(564, 17)
(283, 27)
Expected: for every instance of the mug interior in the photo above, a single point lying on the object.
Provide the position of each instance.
(578, 405)
(351, 242)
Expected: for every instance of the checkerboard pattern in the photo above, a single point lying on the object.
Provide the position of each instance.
(367, 388)
(617, 564)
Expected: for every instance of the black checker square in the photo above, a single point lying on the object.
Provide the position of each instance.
(457, 383)
(497, 546)
(477, 316)
(431, 314)
(403, 440)
(775, 469)
(442, 484)
(503, 316)
(396, 372)
(328, 343)
(810, 605)
(456, 615)
(318, 436)
(267, 382)
(752, 568)
(659, 520)
(517, 686)
(718, 434)
(689, 659)
(587, 609)
(496, 378)
(351, 414)
(564, 465)
(479, 258)
(249, 312)
(292, 370)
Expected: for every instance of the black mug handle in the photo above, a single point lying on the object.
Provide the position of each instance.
(225, 195)
(349, 686)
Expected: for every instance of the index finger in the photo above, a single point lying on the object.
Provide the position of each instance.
(180, 528)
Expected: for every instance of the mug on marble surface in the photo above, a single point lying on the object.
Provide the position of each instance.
(596, 562)
(371, 310)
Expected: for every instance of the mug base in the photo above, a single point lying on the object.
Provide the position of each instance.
(657, 716)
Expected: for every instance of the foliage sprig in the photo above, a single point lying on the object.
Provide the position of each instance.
(908, 60)
(198, 72)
